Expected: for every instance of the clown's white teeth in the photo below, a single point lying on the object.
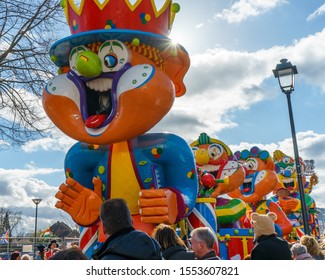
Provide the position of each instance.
(287, 180)
(248, 180)
(102, 84)
(210, 168)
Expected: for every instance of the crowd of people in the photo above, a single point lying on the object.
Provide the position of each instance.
(52, 252)
(124, 242)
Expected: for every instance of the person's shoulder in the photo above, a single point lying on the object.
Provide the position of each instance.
(142, 235)
(214, 258)
(178, 253)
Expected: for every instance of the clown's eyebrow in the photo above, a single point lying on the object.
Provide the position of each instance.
(114, 43)
(77, 49)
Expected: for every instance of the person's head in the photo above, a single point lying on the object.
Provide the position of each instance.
(263, 224)
(202, 240)
(53, 244)
(298, 249)
(74, 244)
(115, 215)
(15, 256)
(311, 243)
(72, 253)
(25, 257)
(41, 248)
(167, 236)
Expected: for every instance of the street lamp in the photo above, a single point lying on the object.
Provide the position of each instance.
(285, 72)
(36, 201)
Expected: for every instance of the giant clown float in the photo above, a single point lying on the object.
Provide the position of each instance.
(286, 194)
(260, 181)
(119, 74)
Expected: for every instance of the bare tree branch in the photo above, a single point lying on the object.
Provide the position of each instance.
(27, 30)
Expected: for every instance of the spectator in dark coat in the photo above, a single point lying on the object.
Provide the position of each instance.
(267, 245)
(172, 246)
(123, 241)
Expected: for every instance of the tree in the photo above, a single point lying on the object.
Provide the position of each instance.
(27, 30)
(9, 220)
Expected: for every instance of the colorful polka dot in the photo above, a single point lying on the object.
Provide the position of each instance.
(143, 162)
(145, 18)
(110, 24)
(191, 174)
(157, 152)
(93, 147)
(148, 180)
(101, 169)
(75, 25)
(68, 173)
(136, 42)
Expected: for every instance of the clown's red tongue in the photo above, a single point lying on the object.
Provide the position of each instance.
(95, 121)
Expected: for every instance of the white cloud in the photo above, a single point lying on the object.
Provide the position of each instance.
(200, 25)
(320, 11)
(19, 186)
(56, 141)
(243, 9)
(221, 81)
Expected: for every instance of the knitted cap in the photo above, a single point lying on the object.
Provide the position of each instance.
(263, 224)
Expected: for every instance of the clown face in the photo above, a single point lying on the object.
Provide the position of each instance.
(216, 159)
(110, 92)
(260, 176)
(286, 170)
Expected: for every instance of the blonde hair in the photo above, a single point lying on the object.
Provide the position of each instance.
(25, 257)
(311, 243)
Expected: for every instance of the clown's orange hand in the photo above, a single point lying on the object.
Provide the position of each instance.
(289, 205)
(158, 206)
(81, 203)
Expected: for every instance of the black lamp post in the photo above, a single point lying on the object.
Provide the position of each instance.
(36, 201)
(285, 72)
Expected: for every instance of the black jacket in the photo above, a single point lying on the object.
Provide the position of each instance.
(129, 244)
(178, 253)
(210, 256)
(270, 247)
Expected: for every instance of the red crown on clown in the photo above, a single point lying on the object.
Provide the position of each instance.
(140, 15)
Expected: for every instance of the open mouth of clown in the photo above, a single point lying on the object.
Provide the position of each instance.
(247, 187)
(98, 101)
(212, 169)
(289, 184)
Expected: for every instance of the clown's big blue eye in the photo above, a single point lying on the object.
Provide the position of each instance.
(110, 60)
(114, 55)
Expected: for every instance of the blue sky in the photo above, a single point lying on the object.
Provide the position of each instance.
(231, 95)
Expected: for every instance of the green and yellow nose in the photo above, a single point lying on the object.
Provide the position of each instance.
(88, 64)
